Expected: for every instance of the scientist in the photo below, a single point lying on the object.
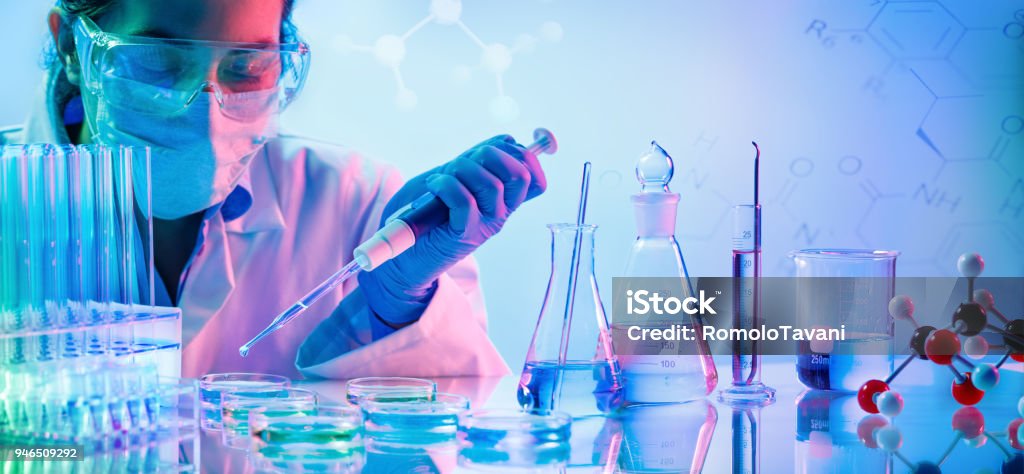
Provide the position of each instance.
(248, 219)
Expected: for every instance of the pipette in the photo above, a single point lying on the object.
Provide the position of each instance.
(399, 233)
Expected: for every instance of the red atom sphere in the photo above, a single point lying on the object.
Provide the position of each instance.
(867, 392)
(969, 421)
(941, 346)
(966, 393)
(1015, 435)
(1019, 357)
(867, 427)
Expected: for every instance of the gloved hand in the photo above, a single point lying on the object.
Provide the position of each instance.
(481, 187)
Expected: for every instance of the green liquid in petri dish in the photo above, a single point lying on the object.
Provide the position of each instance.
(289, 432)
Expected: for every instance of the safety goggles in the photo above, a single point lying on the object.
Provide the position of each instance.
(164, 76)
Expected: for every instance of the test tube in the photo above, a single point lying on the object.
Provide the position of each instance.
(746, 272)
(55, 233)
(106, 227)
(73, 343)
(11, 322)
(93, 262)
(141, 187)
(122, 269)
(31, 243)
(9, 302)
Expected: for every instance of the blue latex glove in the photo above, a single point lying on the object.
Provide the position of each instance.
(482, 187)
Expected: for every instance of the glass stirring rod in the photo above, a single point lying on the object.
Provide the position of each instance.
(398, 235)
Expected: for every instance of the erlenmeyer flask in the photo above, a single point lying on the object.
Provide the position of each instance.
(662, 372)
(571, 366)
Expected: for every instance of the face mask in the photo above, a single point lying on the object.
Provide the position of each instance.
(197, 155)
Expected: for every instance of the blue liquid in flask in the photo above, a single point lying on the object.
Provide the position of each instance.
(571, 366)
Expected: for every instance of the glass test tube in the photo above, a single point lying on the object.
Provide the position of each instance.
(31, 244)
(9, 302)
(50, 158)
(141, 189)
(746, 272)
(11, 349)
(94, 290)
(122, 241)
(73, 342)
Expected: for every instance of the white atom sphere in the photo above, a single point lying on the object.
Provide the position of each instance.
(504, 109)
(901, 307)
(984, 298)
(970, 264)
(446, 12)
(985, 377)
(389, 50)
(406, 99)
(551, 31)
(889, 403)
(889, 438)
(496, 58)
(976, 347)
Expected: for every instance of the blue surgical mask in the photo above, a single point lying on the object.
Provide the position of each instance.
(198, 155)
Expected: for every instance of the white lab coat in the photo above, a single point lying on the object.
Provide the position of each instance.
(312, 204)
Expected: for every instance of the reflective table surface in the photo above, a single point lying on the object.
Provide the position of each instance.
(803, 431)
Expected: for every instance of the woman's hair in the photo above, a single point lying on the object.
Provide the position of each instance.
(95, 8)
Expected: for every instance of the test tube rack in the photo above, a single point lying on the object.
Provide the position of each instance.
(85, 357)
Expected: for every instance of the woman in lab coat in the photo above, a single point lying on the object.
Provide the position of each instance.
(248, 219)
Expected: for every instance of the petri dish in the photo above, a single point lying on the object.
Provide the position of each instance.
(507, 429)
(235, 407)
(326, 439)
(212, 385)
(331, 428)
(415, 389)
(399, 417)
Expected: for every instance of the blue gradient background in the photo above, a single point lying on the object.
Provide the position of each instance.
(897, 126)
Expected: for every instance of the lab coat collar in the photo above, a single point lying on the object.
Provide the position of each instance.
(264, 214)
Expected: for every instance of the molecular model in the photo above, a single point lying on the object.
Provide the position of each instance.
(495, 58)
(943, 347)
(875, 432)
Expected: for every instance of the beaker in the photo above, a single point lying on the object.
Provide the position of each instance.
(846, 290)
(570, 365)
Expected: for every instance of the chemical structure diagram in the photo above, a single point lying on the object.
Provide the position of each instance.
(389, 51)
(957, 63)
(943, 347)
(919, 35)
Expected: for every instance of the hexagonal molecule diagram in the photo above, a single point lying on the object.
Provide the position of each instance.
(495, 58)
(916, 30)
